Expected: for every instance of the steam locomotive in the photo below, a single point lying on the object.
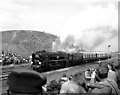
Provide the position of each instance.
(42, 61)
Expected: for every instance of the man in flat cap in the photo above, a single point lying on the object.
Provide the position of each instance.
(25, 83)
(109, 86)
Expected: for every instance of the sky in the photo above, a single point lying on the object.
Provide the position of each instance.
(91, 25)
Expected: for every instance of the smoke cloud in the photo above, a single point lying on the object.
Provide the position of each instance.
(91, 28)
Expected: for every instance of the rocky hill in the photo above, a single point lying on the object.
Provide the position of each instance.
(24, 42)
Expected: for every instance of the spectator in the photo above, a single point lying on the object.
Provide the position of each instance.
(104, 64)
(25, 83)
(93, 75)
(71, 87)
(112, 74)
(63, 79)
(70, 77)
(79, 78)
(117, 69)
(88, 74)
(75, 85)
(33, 58)
(53, 87)
(109, 86)
(30, 59)
(44, 87)
(9, 58)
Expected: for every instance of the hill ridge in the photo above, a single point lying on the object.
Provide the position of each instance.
(24, 42)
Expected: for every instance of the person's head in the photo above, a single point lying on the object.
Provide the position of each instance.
(104, 64)
(88, 69)
(111, 66)
(102, 72)
(63, 80)
(70, 77)
(71, 87)
(64, 75)
(79, 78)
(117, 65)
(54, 85)
(25, 82)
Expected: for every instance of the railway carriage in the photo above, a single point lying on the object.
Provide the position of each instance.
(76, 59)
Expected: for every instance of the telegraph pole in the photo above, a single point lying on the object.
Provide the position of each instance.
(108, 52)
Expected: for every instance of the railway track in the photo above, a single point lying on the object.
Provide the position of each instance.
(7, 69)
(4, 77)
(5, 74)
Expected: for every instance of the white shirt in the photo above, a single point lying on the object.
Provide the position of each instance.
(112, 75)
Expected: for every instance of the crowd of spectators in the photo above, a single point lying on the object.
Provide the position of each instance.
(8, 58)
(105, 79)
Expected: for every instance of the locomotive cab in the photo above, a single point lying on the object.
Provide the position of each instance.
(35, 61)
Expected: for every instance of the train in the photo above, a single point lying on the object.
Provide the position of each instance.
(42, 61)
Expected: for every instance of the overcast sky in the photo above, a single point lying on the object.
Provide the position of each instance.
(93, 24)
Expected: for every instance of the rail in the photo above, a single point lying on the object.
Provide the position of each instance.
(7, 69)
(4, 75)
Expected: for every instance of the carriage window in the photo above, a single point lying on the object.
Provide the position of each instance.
(89, 55)
(83, 56)
(37, 55)
(99, 55)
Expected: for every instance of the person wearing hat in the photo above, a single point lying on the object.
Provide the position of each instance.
(63, 79)
(98, 86)
(108, 86)
(25, 82)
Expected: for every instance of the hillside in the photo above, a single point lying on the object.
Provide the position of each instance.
(24, 42)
